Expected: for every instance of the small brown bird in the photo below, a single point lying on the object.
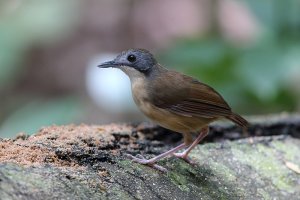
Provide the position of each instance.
(173, 100)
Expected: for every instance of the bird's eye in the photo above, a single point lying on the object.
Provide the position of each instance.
(131, 58)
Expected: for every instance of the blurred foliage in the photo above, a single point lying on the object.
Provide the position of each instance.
(24, 24)
(31, 116)
(260, 77)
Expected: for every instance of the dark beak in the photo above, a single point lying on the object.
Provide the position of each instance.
(108, 64)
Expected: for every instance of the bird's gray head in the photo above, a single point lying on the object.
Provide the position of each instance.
(134, 62)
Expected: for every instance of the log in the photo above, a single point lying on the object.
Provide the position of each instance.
(89, 162)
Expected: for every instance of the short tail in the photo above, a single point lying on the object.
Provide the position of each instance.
(239, 120)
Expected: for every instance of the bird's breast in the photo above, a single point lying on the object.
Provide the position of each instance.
(142, 100)
(139, 93)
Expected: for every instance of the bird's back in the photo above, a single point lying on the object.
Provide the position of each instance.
(185, 96)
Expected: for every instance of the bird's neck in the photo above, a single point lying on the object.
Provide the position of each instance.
(141, 85)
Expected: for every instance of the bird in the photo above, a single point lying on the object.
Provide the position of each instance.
(173, 100)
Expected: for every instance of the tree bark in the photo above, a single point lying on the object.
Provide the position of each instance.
(88, 162)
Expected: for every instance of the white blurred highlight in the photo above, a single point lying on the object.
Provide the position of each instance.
(109, 88)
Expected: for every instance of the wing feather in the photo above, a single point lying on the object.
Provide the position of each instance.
(186, 96)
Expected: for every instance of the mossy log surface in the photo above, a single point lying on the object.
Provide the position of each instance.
(88, 162)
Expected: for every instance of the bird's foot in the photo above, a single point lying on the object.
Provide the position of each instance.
(142, 160)
(185, 157)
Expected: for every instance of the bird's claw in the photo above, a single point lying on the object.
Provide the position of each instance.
(140, 159)
(184, 157)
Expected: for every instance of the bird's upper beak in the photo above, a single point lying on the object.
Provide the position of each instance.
(108, 64)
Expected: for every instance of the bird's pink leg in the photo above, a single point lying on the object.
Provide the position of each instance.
(151, 162)
(184, 155)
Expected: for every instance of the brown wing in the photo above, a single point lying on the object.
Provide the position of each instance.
(186, 96)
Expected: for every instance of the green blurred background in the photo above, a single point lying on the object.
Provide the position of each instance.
(249, 50)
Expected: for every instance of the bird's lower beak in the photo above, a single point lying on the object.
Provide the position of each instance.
(108, 64)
